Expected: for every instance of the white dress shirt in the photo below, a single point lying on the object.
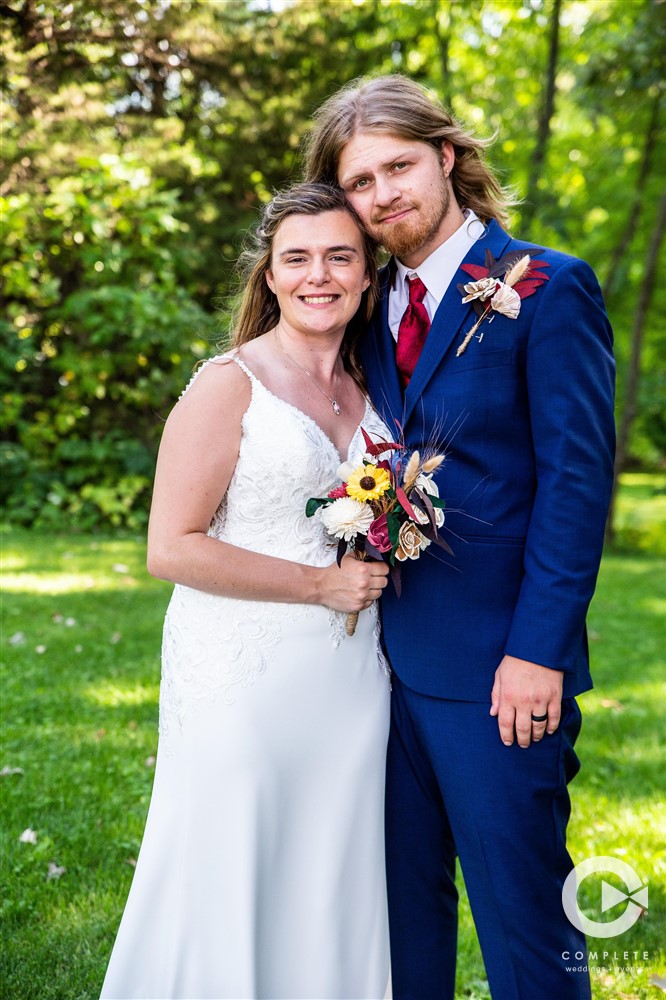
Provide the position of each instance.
(436, 272)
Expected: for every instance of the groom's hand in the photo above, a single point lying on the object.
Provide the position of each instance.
(522, 690)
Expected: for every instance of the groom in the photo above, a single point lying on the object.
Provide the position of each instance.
(503, 350)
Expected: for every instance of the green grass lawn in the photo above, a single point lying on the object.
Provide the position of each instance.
(80, 643)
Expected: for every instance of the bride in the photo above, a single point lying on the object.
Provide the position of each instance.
(261, 872)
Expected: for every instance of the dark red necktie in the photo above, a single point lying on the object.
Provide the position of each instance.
(412, 331)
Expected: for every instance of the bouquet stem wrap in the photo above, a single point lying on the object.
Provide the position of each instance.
(352, 616)
(352, 621)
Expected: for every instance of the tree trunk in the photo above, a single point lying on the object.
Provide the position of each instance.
(633, 375)
(636, 205)
(545, 118)
(443, 36)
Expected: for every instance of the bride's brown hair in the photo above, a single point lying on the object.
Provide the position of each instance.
(258, 310)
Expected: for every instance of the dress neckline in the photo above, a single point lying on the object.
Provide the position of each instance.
(254, 379)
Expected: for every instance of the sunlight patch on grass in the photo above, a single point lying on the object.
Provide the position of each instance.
(645, 481)
(63, 583)
(606, 826)
(627, 750)
(654, 605)
(13, 560)
(59, 583)
(644, 694)
(640, 515)
(631, 566)
(112, 695)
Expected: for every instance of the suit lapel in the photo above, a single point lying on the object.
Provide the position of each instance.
(449, 318)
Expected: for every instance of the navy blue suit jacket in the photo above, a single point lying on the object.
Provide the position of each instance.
(526, 415)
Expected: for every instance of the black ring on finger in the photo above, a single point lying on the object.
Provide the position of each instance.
(539, 718)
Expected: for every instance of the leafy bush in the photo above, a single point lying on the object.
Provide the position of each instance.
(140, 139)
(102, 332)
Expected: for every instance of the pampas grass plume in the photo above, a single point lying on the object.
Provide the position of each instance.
(431, 464)
(411, 470)
(518, 271)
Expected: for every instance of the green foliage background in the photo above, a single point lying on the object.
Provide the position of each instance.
(140, 138)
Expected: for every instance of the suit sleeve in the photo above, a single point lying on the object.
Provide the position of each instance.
(570, 384)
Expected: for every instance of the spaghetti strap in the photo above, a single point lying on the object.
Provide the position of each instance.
(243, 367)
(211, 361)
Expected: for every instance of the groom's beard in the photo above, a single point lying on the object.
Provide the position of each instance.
(404, 238)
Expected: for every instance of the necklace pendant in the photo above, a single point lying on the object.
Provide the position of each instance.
(336, 408)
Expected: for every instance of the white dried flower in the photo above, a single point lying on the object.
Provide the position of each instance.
(345, 470)
(428, 485)
(506, 301)
(346, 518)
(423, 518)
(481, 289)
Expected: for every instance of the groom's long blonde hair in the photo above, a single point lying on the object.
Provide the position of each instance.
(396, 105)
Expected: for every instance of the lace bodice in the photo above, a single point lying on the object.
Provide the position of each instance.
(284, 459)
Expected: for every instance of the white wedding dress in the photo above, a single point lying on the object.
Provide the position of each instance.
(261, 872)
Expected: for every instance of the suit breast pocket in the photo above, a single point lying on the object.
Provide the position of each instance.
(475, 357)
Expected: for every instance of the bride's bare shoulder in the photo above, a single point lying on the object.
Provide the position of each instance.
(218, 390)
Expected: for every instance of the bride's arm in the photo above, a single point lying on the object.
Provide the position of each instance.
(196, 460)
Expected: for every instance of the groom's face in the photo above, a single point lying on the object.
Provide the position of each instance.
(400, 189)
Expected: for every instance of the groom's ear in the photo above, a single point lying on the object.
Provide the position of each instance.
(448, 157)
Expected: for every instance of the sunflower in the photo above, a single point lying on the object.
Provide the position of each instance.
(368, 482)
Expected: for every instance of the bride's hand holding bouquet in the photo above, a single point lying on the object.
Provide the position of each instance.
(385, 509)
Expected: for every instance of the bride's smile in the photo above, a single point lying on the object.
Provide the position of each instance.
(318, 273)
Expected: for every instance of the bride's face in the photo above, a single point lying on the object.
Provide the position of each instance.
(318, 272)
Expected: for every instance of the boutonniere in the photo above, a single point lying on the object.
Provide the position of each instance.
(500, 286)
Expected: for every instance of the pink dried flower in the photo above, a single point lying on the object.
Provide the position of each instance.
(338, 492)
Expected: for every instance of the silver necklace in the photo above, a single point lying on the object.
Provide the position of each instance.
(334, 403)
